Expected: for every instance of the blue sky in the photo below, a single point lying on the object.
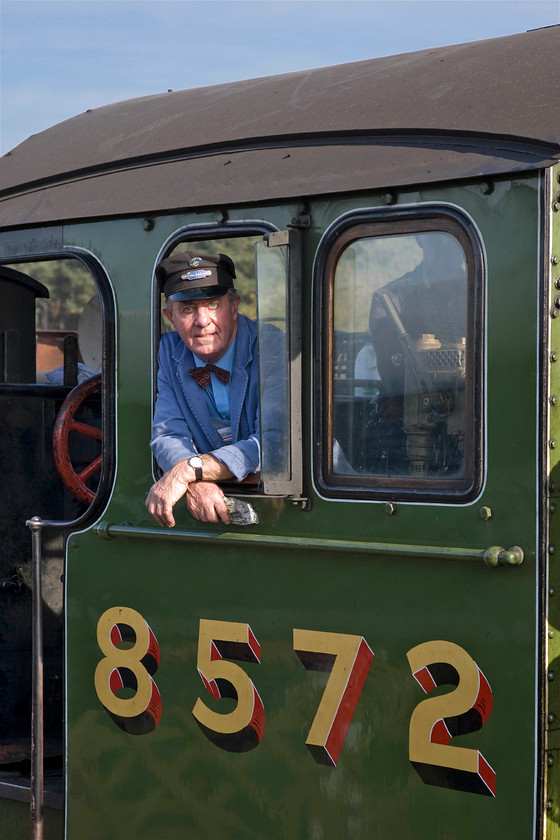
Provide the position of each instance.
(60, 57)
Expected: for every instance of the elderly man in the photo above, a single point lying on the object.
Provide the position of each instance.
(206, 419)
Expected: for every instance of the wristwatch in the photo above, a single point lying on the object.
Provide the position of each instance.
(196, 463)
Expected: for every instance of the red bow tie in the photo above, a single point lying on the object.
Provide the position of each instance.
(202, 374)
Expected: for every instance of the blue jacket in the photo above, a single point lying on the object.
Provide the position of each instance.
(182, 426)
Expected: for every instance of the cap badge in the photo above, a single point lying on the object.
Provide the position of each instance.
(196, 275)
(195, 262)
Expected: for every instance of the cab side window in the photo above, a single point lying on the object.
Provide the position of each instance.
(268, 280)
(400, 365)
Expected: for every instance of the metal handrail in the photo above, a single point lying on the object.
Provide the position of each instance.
(37, 729)
(493, 556)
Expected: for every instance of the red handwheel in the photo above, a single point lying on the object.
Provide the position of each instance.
(65, 423)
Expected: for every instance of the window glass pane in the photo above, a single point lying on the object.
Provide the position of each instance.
(400, 361)
(273, 320)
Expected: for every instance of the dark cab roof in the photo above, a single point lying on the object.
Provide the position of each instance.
(464, 111)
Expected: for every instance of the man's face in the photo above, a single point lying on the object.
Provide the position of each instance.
(206, 326)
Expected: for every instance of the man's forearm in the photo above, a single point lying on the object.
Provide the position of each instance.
(214, 470)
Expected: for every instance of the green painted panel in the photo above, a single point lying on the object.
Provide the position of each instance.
(176, 774)
(173, 781)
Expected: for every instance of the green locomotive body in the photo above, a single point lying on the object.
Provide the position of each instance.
(375, 656)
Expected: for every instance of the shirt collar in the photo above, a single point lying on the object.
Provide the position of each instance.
(226, 362)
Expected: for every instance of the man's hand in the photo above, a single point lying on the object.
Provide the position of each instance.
(205, 501)
(206, 504)
(167, 491)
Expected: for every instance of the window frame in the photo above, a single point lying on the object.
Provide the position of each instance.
(229, 230)
(366, 223)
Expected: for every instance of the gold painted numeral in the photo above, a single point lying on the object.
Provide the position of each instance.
(131, 657)
(348, 659)
(436, 720)
(241, 729)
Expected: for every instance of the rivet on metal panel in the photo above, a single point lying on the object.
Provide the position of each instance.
(549, 804)
(550, 676)
(302, 219)
(551, 549)
(148, 224)
(389, 198)
(555, 207)
(74, 544)
(485, 513)
(552, 592)
(487, 188)
(557, 282)
(554, 356)
(554, 313)
(552, 443)
(553, 399)
(390, 509)
(551, 634)
(221, 217)
(552, 508)
(554, 259)
(550, 760)
(551, 717)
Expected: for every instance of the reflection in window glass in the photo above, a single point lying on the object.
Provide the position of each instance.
(399, 367)
(274, 373)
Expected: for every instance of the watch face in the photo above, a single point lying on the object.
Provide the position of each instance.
(196, 462)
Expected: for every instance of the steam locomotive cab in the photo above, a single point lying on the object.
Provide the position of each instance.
(41, 364)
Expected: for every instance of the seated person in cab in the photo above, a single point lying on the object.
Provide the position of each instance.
(418, 325)
(206, 421)
(429, 300)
